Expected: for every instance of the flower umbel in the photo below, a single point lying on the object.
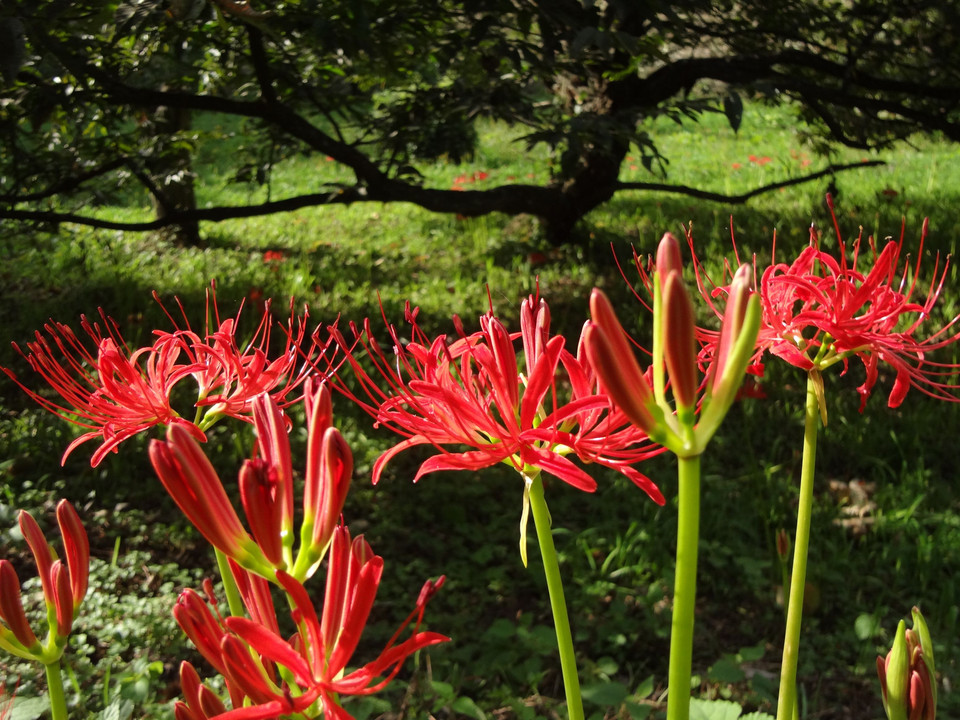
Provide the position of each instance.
(470, 391)
(823, 309)
(266, 489)
(674, 358)
(269, 676)
(907, 674)
(116, 392)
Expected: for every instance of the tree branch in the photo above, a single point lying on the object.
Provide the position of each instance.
(66, 184)
(743, 197)
(510, 199)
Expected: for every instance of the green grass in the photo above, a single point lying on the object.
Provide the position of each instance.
(616, 546)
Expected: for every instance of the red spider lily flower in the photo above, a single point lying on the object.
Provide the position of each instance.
(229, 376)
(471, 392)
(117, 392)
(674, 354)
(823, 309)
(329, 471)
(318, 655)
(247, 651)
(114, 392)
(64, 587)
(907, 674)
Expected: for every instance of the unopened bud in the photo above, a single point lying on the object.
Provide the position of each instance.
(680, 344)
(907, 679)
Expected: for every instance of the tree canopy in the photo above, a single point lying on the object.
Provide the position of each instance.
(98, 96)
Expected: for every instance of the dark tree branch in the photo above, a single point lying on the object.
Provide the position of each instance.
(261, 66)
(743, 197)
(510, 199)
(66, 184)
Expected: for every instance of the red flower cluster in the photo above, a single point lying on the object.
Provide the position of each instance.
(268, 676)
(478, 391)
(823, 309)
(117, 392)
(460, 180)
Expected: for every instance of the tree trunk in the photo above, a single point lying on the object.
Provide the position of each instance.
(173, 176)
(594, 182)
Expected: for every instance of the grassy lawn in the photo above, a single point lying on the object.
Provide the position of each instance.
(886, 528)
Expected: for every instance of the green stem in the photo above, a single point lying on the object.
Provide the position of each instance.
(561, 622)
(58, 701)
(230, 589)
(684, 589)
(787, 702)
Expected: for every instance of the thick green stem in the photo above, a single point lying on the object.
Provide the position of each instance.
(684, 589)
(230, 589)
(787, 702)
(561, 622)
(58, 701)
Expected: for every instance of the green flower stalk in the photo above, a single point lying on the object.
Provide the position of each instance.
(683, 430)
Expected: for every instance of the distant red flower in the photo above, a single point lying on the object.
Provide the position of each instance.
(823, 309)
(736, 166)
(273, 256)
(6, 701)
(117, 392)
(760, 160)
(478, 391)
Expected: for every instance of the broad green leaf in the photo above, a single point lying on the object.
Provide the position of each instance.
(607, 694)
(714, 710)
(466, 706)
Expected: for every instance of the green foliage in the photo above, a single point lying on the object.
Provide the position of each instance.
(105, 104)
(870, 562)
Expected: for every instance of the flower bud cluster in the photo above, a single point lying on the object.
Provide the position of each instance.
(675, 354)
(266, 489)
(907, 674)
(64, 585)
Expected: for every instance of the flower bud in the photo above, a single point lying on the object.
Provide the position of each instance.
(906, 675)
(612, 357)
(668, 257)
(783, 545)
(63, 598)
(77, 549)
(11, 607)
(680, 345)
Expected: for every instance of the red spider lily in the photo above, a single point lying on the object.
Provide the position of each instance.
(823, 309)
(200, 702)
(229, 376)
(64, 587)
(472, 392)
(675, 355)
(117, 392)
(908, 674)
(247, 651)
